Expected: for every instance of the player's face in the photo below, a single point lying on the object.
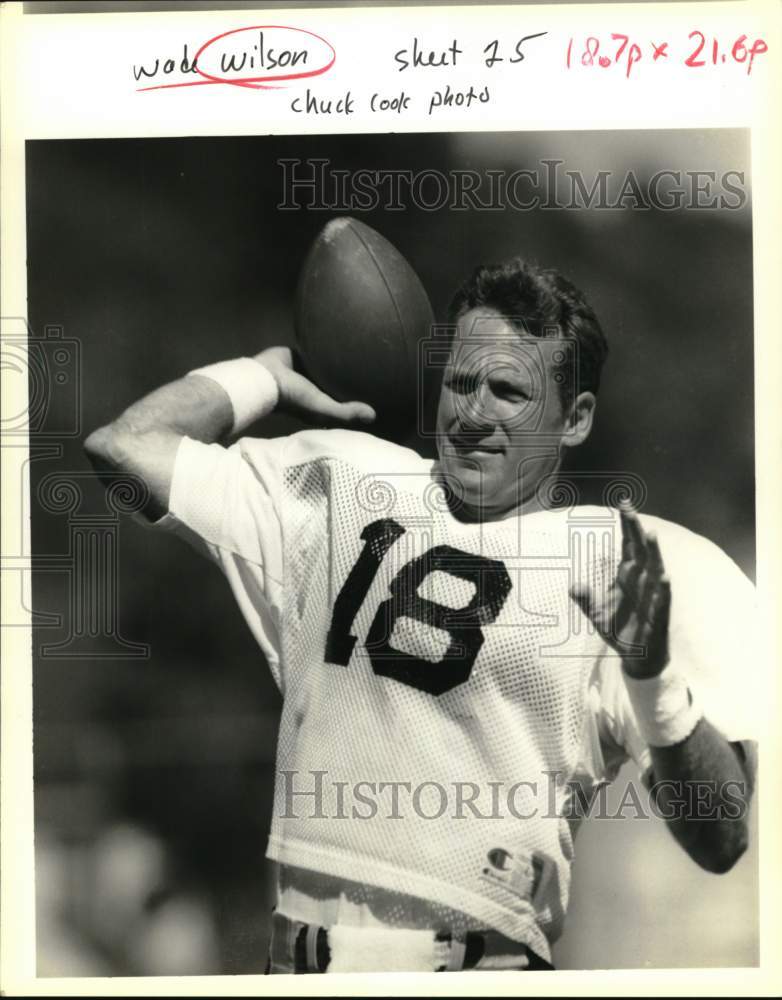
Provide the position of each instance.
(500, 421)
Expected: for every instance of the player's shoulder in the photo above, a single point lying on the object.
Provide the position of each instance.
(671, 531)
(682, 542)
(685, 552)
(693, 557)
(364, 451)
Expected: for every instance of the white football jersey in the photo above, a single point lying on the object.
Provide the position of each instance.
(442, 693)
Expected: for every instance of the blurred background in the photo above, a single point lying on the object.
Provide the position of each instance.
(153, 773)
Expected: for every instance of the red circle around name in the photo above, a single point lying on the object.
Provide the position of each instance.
(256, 82)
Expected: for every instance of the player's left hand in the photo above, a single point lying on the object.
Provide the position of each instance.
(633, 614)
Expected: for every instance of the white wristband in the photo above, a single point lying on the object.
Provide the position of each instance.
(251, 387)
(664, 707)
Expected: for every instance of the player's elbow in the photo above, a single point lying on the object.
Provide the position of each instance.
(721, 851)
(100, 447)
(727, 858)
(111, 447)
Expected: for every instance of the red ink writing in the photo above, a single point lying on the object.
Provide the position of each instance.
(738, 52)
(258, 57)
(623, 51)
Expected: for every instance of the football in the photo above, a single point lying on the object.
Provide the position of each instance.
(361, 311)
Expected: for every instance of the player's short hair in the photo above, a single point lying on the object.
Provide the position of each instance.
(535, 300)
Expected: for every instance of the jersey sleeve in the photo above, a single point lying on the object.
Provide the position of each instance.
(712, 641)
(226, 503)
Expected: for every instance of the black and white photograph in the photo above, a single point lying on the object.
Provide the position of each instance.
(407, 645)
(393, 548)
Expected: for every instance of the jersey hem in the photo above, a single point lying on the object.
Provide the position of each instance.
(355, 868)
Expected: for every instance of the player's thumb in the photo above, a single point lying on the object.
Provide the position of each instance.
(343, 414)
(356, 413)
(305, 399)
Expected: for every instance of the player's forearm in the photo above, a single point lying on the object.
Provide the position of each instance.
(144, 439)
(192, 406)
(704, 785)
(206, 405)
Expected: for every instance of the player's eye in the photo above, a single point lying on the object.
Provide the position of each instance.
(510, 391)
(462, 383)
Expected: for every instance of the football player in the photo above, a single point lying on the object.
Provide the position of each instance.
(458, 654)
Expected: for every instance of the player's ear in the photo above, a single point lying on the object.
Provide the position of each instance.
(579, 419)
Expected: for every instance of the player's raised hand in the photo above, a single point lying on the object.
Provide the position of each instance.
(633, 614)
(302, 398)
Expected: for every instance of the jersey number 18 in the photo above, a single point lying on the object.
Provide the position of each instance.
(463, 625)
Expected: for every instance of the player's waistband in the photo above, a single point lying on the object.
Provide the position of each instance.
(297, 947)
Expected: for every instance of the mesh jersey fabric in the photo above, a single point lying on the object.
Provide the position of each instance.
(424, 661)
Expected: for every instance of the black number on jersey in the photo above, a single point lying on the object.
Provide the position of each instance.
(378, 538)
(463, 625)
